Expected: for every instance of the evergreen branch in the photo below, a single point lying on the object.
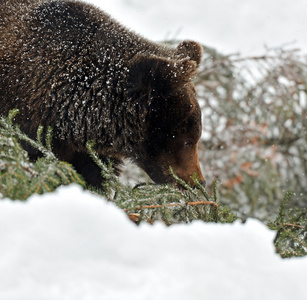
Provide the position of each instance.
(293, 236)
(295, 225)
(291, 253)
(19, 177)
(281, 213)
(48, 139)
(16, 132)
(214, 188)
(291, 227)
(106, 171)
(172, 205)
(202, 189)
(27, 169)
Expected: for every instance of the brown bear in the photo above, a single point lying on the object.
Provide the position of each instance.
(68, 65)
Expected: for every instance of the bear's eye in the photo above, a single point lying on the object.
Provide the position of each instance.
(188, 144)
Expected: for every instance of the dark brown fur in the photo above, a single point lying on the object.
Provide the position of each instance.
(68, 65)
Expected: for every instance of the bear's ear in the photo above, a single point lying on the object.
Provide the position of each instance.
(190, 49)
(160, 75)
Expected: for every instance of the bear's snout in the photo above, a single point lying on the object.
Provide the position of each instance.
(183, 160)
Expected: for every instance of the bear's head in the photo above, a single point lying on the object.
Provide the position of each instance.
(163, 88)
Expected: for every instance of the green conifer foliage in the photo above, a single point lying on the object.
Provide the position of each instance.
(19, 177)
(291, 227)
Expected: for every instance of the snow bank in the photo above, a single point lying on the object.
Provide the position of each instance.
(73, 245)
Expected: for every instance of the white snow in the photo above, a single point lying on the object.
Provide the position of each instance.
(74, 245)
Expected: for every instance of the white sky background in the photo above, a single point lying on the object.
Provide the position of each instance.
(227, 25)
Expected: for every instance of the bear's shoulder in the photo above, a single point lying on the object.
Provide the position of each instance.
(68, 19)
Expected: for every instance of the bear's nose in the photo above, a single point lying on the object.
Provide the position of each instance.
(203, 183)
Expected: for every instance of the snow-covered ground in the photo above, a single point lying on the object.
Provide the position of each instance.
(72, 245)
